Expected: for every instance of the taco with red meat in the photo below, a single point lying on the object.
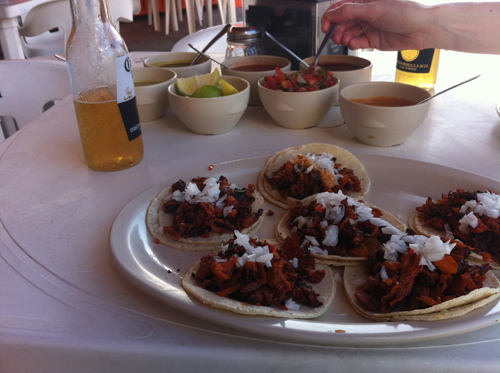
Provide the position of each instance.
(259, 277)
(471, 217)
(200, 214)
(295, 173)
(337, 229)
(420, 278)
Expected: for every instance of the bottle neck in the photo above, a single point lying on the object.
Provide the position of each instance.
(90, 12)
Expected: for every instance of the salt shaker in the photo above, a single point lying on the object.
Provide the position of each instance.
(244, 41)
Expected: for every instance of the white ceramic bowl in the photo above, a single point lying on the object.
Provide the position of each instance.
(211, 116)
(378, 125)
(363, 72)
(152, 99)
(169, 59)
(253, 76)
(298, 110)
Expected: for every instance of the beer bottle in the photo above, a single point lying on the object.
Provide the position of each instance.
(103, 89)
(418, 67)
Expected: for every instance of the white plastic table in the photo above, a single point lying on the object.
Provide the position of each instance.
(66, 306)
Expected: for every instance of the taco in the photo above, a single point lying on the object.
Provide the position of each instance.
(419, 278)
(254, 277)
(296, 173)
(471, 217)
(199, 215)
(337, 229)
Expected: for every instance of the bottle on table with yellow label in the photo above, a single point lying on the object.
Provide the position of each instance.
(418, 68)
(103, 89)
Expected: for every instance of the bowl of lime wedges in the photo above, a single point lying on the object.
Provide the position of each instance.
(208, 104)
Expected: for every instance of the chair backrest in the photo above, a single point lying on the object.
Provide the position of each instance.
(35, 36)
(27, 86)
(56, 14)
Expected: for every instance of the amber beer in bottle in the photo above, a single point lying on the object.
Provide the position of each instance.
(418, 68)
(103, 89)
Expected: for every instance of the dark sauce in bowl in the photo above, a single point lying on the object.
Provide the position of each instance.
(254, 68)
(339, 66)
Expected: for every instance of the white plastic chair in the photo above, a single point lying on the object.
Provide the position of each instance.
(28, 88)
(47, 26)
(46, 29)
(194, 9)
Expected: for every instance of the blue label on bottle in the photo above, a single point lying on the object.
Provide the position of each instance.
(125, 95)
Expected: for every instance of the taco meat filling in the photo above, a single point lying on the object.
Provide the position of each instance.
(471, 217)
(336, 225)
(255, 272)
(414, 272)
(207, 205)
(311, 174)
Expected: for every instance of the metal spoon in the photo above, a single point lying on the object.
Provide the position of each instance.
(447, 89)
(216, 37)
(210, 58)
(59, 57)
(288, 50)
(327, 37)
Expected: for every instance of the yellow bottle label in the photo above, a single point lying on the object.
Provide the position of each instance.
(414, 61)
(418, 68)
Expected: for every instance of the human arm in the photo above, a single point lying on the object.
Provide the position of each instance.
(399, 25)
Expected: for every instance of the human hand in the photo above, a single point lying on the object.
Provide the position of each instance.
(381, 24)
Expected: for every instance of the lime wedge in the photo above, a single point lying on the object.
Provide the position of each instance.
(207, 91)
(187, 86)
(227, 89)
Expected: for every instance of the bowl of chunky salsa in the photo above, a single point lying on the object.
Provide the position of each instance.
(348, 69)
(252, 68)
(298, 99)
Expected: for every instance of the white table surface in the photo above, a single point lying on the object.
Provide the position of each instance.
(66, 307)
(9, 27)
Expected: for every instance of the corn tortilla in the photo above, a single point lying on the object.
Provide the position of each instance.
(355, 276)
(282, 231)
(156, 219)
(415, 224)
(326, 290)
(344, 157)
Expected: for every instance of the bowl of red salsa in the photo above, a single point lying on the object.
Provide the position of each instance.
(252, 68)
(298, 99)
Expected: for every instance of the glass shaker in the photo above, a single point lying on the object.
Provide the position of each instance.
(244, 41)
(103, 89)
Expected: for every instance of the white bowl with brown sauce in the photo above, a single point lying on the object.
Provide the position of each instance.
(383, 113)
(252, 68)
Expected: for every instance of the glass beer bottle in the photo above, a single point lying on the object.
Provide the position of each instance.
(418, 67)
(103, 89)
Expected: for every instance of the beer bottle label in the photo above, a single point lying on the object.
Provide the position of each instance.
(413, 61)
(125, 94)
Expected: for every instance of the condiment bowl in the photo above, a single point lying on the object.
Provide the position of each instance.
(348, 69)
(297, 110)
(211, 116)
(151, 91)
(179, 62)
(252, 68)
(382, 125)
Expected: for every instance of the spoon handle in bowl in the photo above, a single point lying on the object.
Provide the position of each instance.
(447, 89)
